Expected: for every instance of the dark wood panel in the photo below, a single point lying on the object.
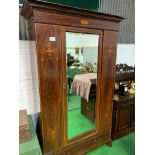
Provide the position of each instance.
(132, 120)
(81, 147)
(107, 78)
(124, 99)
(50, 83)
(88, 108)
(44, 17)
(85, 30)
(124, 132)
(123, 116)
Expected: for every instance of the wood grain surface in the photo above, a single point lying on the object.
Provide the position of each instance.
(50, 22)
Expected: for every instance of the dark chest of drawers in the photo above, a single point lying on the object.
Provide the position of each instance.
(88, 107)
(123, 121)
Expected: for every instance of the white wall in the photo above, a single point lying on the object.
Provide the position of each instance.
(90, 54)
(126, 54)
(28, 86)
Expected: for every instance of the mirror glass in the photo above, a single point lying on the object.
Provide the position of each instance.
(81, 72)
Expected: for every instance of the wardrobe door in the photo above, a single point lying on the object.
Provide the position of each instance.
(50, 71)
(108, 72)
(83, 72)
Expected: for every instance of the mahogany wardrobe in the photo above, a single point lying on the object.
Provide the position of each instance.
(53, 28)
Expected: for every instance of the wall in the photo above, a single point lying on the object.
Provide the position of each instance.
(126, 37)
(90, 55)
(126, 54)
(126, 9)
(28, 84)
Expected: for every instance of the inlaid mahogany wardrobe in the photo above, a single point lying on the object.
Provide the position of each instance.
(47, 26)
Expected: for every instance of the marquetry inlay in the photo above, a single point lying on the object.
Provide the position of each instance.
(48, 51)
(110, 48)
(84, 22)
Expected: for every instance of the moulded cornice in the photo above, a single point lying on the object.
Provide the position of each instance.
(31, 5)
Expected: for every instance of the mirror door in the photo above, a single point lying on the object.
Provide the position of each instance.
(82, 68)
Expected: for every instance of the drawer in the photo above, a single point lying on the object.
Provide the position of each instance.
(80, 147)
(87, 145)
(88, 112)
(90, 104)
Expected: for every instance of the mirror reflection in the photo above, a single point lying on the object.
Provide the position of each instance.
(81, 69)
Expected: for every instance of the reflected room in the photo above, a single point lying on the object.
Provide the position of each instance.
(81, 72)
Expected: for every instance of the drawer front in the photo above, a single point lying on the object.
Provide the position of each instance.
(87, 112)
(126, 103)
(132, 115)
(90, 143)
(123, 118)
(85, 145)
(90, 104)
(88, 109)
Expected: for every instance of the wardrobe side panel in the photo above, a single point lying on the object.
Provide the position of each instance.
(49, 53)
(107, 78)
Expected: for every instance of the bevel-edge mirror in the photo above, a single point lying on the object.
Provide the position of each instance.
(82, 66)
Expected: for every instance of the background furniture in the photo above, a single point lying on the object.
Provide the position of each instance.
(31, 147)
(123, 116)
(123, 121)
(88, 107)
(70, 60)
(24, 131)
(47, 26)
(124, 73)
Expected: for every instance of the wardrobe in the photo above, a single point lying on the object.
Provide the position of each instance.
(49, 24)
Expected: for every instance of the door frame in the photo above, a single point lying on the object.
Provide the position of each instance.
(99, 72)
